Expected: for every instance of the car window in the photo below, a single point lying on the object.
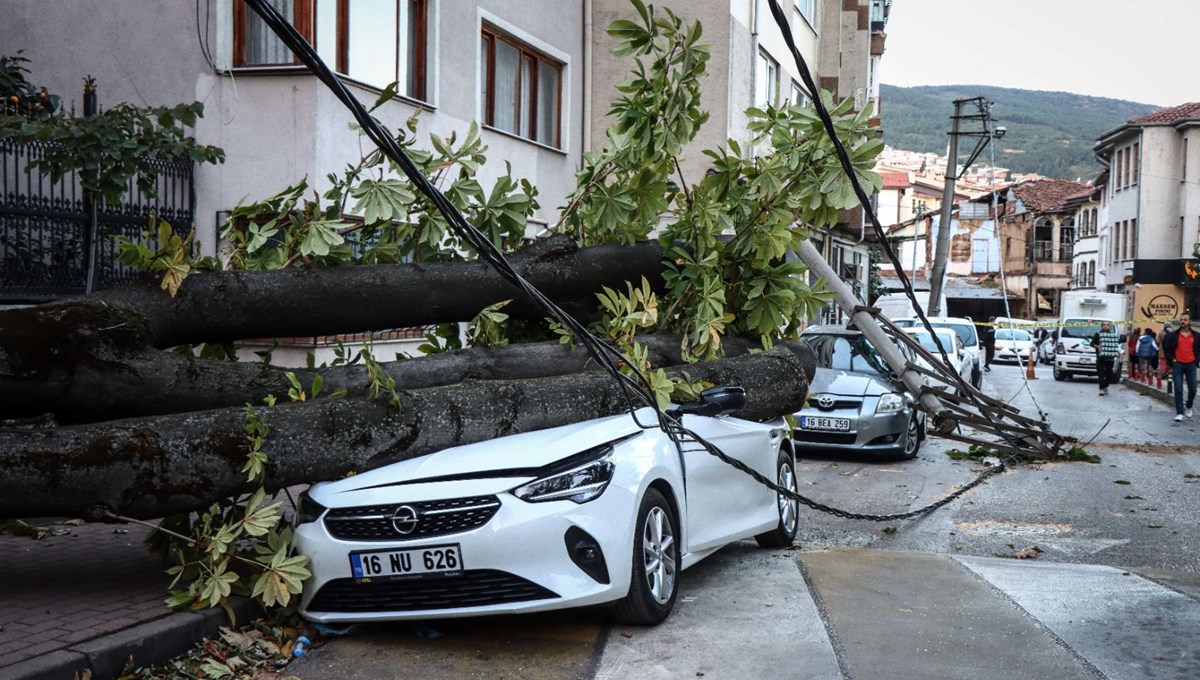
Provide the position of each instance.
(846, 353)
(1007, 334)
(905, 323)
(949, 341)
(965, 331)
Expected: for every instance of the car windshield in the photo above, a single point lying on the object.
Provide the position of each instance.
(1080, 328)
(926, 340)
(965, 331)
(846, 353)
(1006, 334)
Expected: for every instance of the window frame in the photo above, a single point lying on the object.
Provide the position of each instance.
(489, 35)
(304, 19)
(769, 70)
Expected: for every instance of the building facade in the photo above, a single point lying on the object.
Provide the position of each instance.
(1150, 232)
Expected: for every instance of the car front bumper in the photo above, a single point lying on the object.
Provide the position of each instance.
(869, 433)
(519, 561)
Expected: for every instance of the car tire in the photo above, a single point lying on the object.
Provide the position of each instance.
(654, 574)
(1061, 375)
(784, 533)
(912, 439)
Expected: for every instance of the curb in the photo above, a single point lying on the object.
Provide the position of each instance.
(1143, 388)
(146, 644)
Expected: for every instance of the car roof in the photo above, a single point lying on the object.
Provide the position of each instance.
(830, 329)
(942, 319)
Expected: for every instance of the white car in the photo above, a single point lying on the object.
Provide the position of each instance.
(604, 512)
(953, 347)
(964, 327)
(1013, 344)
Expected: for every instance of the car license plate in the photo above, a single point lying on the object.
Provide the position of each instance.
(822, 423)
(1087, 360)
(436, 560)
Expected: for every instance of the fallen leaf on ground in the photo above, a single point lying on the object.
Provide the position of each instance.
(626, 634)
(1025, 553)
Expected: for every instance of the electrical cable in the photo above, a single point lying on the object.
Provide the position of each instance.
(636, 387)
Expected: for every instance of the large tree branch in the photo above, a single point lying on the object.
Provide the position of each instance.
(300, 301)
(149, 467)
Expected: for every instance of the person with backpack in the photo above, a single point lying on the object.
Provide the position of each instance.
(1147, 353)
(1181, 350)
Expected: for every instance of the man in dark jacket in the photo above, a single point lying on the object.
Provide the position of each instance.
(1181, 350)
(989, 344)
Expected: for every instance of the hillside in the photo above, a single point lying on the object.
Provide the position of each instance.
(1050, 133)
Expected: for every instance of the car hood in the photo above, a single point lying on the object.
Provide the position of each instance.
(848, 383)
(484, 467)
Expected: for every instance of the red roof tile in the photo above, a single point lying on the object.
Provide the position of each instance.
(1047, 195)
(895, 180)
(1169, 116)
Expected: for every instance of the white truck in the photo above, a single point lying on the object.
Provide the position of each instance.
(1081, 312)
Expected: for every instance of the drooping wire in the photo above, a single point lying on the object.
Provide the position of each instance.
(634, 388)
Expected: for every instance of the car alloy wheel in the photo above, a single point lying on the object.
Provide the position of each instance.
(912, 437)
(784, 533)
(654, 574)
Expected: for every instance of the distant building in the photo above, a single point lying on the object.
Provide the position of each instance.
(1152, 222)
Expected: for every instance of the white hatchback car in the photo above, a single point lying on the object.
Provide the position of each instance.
(964, 327)
(595, 513)
(953, 347)
(1013, 344)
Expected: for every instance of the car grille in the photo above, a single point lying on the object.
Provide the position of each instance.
(809, 437)
(838, 403)
(434, 518)
(477, 588)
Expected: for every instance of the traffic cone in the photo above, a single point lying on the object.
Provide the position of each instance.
(1029, 370)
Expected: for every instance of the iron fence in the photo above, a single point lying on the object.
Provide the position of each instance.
(56, 242)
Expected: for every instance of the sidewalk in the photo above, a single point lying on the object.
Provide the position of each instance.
(89, 597)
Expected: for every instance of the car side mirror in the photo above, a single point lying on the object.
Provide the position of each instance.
(715, 401)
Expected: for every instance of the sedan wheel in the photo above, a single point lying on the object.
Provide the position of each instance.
(912, 438)
(653, 580)
(784, 533)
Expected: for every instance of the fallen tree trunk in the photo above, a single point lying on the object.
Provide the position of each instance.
(82, 383)
(301, 301)
(151, 467)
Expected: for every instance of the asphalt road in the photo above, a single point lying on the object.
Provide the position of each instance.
(927, 598)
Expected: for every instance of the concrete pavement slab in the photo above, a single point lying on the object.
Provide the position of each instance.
(742, 613)
(1128, 627)
(913, 615)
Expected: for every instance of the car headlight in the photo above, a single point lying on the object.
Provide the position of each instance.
(891, 403)
(586, 477)
(307, 510)
(1060, 349)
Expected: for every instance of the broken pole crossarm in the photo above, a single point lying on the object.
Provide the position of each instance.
(912, 379)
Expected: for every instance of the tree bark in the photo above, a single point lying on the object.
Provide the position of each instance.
(115, 381)
(153, 466)
(300, 301)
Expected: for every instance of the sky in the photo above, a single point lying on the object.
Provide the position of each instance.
(1143, 51)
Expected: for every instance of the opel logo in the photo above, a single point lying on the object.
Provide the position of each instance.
(825, 401)
(404, 520)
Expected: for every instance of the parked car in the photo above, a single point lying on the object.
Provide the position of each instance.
(1013, 344)
(965, 328)
(953, 347)
(1046, 349)
(852, 404)
(595, 513)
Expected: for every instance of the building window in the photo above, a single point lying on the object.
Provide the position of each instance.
(808, 10)
(1183, 165)
(375, 42)
(1133, 239)
(1091, 273)
(799, 96)
(766, 82)
(1136, 157)
(1066, 240)
(522, 89)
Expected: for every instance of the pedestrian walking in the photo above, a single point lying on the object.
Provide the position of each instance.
(1146, 352)
(1131, 352)
(1108, 352)
(1181, 350)
(989, 344)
